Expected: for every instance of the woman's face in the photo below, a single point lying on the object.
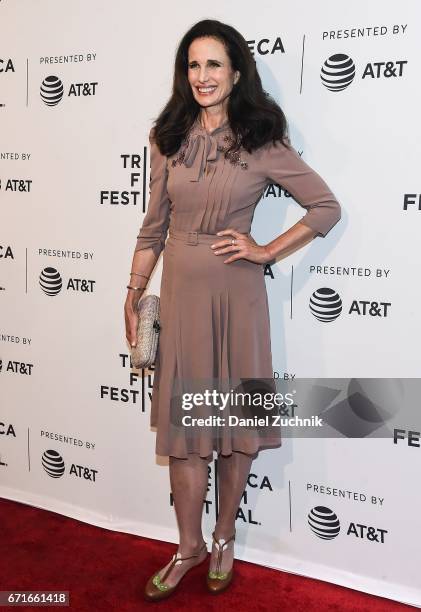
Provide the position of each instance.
(210, 73)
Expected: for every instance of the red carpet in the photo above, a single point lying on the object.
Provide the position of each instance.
(105, 570)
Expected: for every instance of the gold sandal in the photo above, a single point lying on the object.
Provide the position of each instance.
(218, 581)
(156, 589)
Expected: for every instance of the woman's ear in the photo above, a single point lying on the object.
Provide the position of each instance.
(236, 77)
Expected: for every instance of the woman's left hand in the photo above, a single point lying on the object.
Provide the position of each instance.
(244, 247)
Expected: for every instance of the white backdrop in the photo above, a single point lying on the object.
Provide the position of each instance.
(74, 417)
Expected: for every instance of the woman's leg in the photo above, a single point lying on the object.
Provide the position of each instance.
(233, 471)
(189, 480)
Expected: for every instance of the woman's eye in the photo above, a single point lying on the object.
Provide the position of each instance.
(210, 64)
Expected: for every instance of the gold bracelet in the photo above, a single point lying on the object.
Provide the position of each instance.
(137, 274)
(136, 288)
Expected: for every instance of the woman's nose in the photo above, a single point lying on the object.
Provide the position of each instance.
(203, 75)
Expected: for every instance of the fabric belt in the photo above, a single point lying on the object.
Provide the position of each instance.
(193, 238)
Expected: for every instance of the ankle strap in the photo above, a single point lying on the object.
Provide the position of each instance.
(225, 542)
(176, 559)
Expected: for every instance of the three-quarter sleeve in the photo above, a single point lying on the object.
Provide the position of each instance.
(284, 166)
(154, 229)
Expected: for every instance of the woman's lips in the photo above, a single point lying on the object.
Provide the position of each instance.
(206, 91)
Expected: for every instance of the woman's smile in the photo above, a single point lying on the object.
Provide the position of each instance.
(206, 91)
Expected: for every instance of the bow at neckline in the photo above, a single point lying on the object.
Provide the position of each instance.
(202, 147)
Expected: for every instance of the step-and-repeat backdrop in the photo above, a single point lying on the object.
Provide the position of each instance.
(80, 84)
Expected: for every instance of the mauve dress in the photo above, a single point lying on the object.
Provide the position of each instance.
(214, 316)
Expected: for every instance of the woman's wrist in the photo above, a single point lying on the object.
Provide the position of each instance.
(135, 289)
(268, 249)
(132, 298)
(137, 282)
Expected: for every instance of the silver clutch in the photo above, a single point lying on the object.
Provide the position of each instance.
(144, 353)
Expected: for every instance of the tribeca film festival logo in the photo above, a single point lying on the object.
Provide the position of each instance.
(6, 252)
(266, 46)
(338, 71)
(52, 90)
(259, 484)
(255, 486)
(6, 65)
(138, 392)
(6, 429)
(51, 283)
(135, 164)
(54, 466)
(412, 437)
(326, 306)
(411, 201)
(325, 524)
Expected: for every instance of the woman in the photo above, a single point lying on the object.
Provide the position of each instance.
(219, 141)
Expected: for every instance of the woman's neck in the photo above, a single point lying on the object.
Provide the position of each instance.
(211, 122)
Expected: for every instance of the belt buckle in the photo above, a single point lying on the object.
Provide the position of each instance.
(192, 238)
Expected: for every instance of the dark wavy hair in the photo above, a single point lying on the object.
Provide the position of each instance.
(254, 117)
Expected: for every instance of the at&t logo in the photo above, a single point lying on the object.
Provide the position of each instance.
(338, 71)
(326, 306)
(53, 464)
(52, 90)
(324, 523)
(51, 282)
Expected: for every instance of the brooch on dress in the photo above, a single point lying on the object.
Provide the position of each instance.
(182, 153)
(233, 156)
